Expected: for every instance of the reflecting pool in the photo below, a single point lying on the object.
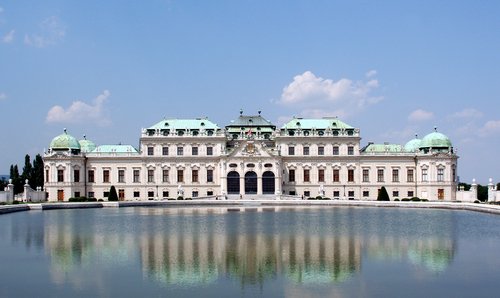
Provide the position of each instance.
(249, 252)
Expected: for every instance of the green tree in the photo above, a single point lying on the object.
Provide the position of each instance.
(482, 193)
(37, 175)
(3, 183)
(383, 195)
(113, 196)
(16, 179)
(27, 169)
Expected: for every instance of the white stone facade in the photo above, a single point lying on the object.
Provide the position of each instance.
(250, 158)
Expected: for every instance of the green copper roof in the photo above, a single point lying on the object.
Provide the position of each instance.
(413, 145)
(173, 124)
(86, 145)
(64, 141)
(383, 148)
(115, 149)
(435, 140)
(322, 123)
(254, 123)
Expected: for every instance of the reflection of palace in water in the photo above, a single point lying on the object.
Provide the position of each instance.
(181, 246)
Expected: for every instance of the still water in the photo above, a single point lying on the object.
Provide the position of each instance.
(256, 252)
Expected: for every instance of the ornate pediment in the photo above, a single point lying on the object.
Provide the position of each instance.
(251, 148)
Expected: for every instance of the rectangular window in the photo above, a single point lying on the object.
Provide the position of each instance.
(366, 175)
(165, 194)
(121, 176)
(210, 150)
(105, 194)
(424, 175)
(291, 150)
(440, 175)
(321, 150)
(165, 175)
(180, 150)
(454, 175)
(409, 175)
(350, 175)
(77, 194)
(194, 175)
(321, 175)
(195, 194)
(336, 175)
(292, 192)
(366, 193)
(305, 151)
(410, 194)
(395, 194)
(151, 194)
(137, 176)
(121, 194)
(60, 175)
(291, 175)
(335, 150)
(210, 175)
(336, 194)
(440, 194)
(194, 150)
(164, 150)
(395, 175)
(210, 192)
(137, 194)
(151, 175)
(105, 176)
(151, 150)
(307, 193)
(47, 176)
(76, 175)
(350, 194)
(180, 175)
(380, 175)
(91, 176)
(91, 194)
(307, 177)
(350, 150)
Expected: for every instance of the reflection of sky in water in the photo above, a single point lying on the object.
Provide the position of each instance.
(307, 249)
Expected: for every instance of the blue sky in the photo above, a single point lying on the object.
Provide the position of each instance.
(391, 68)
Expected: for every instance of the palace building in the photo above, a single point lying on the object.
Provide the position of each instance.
(251, 158)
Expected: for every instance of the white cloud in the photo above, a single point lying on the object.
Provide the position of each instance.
(403, 135)
(3, 96)
(9, 37)
(315, 96)
(51, 32)
(371, 73)
(420, 115)
(80, 112)
(491, 127)
(467, 114)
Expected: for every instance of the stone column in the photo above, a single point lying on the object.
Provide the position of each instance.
(473, 190)
(259, 185)
(242, 185)
(491, 192)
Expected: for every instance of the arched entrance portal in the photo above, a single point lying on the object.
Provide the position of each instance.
(250, 183)
(233, 183)
(268, 183)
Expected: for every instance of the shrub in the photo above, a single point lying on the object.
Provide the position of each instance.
(415, 199)
(188, 199)
(319, 198)
(477, 201)
(424, 200)
(405, 200)
(3, 203)
(396, 200)
(326, 198)
(383, 195)
(171, 199)
(91, 200)
(100, 200)
(113, 196)
(311, 198)
(180, 198)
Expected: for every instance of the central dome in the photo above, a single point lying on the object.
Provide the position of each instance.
(64, 141)
(435, 140)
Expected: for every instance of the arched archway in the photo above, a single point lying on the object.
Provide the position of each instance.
(251, 183)
(268, 186)
(233, 182)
